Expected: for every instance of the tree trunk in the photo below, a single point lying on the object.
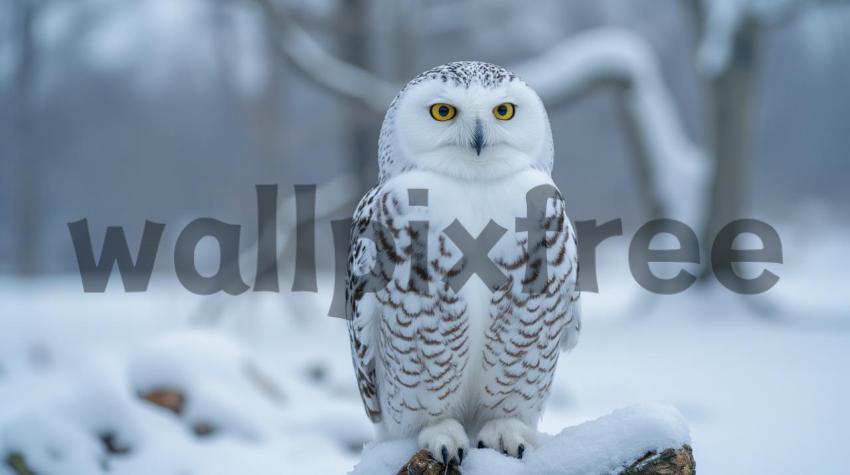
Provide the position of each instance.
(727, 106)
(361, 124)
(729, 110)
(27, 186)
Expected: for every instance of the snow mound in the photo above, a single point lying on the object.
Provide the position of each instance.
(235, 415)
(601, 446)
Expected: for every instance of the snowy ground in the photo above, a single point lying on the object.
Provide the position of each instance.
(761, 395)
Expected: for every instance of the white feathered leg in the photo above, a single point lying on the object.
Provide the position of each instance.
(445, 439)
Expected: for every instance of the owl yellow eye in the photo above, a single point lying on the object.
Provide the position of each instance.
(504, 111)
(443, 112)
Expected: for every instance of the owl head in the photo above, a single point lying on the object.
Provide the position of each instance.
(466, 119)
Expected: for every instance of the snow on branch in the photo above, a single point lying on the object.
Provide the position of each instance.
(675, 170)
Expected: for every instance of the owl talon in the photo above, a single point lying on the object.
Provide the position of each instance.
(481, 445)
(510, 436)
(460, 456)
(445, 440)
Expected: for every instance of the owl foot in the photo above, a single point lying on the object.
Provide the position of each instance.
(446, 440)
(508, 435)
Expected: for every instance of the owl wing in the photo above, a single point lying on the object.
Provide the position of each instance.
(565, 251)
(529, 328)
(561, 296)
(558, 302)
(421, 363)
(572, 329)
(363, 310)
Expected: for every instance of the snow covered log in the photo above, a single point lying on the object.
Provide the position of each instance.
(638, 440)
(669, 462)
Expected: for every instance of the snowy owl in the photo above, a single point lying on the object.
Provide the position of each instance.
(450, 344)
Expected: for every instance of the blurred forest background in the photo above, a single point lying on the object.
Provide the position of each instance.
(121, 111)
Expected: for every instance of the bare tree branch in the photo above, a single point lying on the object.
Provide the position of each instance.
(334, 75)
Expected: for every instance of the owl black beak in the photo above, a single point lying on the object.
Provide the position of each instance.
(478, 137)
